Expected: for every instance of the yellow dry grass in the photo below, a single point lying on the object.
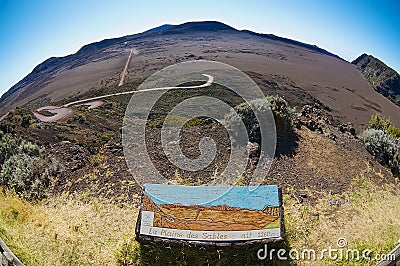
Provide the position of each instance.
(65, 231)
(368, 217)
(71, 231)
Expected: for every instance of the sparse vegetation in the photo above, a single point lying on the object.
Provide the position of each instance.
(71, 231)
(367, 216)
(81, 118)
(379, 123)
(105, 137)
(109, 105)
(175, 121)
(283, 115)
(383, 147)
(97, 159)
(26, 120)
(25, 168)
(65, 230)
(379, 139)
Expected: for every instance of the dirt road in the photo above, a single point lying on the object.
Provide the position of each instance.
(64, 111)
(59, 113)
(125, 71)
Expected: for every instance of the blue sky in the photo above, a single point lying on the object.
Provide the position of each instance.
(32, 31)
(255, 198)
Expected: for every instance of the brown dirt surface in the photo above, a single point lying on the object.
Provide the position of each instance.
(218, 218)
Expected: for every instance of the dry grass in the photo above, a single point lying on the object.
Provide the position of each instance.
(65, 231)
(368, 217)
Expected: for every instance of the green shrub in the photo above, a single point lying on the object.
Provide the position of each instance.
(193, 122)
(283, 115)
(8, 147)
(97, 159)
(383, 146)
(25, 168)
(81, 118)
(109, 105)
(25, 175)
(26, 120)
(379, 123)
(393, 131)
(105, 137)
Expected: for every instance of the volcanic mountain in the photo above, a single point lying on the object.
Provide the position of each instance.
(300, 72)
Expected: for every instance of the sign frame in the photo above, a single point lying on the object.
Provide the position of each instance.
(145, 238)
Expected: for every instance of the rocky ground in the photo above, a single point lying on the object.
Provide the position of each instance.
(326, 158)
(322, 153)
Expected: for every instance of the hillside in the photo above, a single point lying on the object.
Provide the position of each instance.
(382, 78)
(278, 65)
(331, 185)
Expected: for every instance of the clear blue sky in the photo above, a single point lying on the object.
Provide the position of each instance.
(32, 31)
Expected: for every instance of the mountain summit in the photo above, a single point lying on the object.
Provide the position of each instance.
(201, 26)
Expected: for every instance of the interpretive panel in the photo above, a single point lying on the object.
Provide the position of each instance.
(209, 213)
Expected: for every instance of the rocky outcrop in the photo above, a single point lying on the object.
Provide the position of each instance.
(382, 78)
(313, 118)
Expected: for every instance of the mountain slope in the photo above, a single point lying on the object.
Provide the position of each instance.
(50, 68)
(382, 78)
(289, 41)
(278, 65)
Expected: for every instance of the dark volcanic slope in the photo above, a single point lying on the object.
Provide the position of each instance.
(298, 68)
(382, 78)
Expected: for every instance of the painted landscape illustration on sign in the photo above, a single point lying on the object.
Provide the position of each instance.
(190, 208)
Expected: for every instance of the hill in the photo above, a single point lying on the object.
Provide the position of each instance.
(302, 73)
(382, 78)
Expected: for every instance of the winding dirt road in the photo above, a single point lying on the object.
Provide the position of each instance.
(65, 111)
(59, 113)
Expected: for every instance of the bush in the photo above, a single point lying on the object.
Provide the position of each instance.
(393, 131)
(105, 137)
(383, 146)
(283, 115)
(26, 120)
(8, 147)
(24, 168)
(97, 159)
(379, 123)
(23, 173)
